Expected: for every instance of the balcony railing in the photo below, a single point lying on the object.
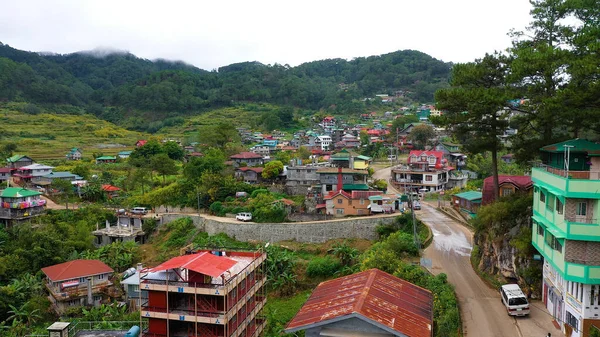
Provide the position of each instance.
(180, 310)
(77, 291)
(13, 213)
(563, 173)
(23, 204)
(585, 220)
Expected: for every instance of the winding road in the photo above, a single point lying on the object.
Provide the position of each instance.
(482, 312)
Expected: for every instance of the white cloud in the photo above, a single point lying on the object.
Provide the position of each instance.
(210, 34)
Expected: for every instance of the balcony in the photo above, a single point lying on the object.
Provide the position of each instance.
(77, 291)
(579, 184)
(23, 204)
(14, 213)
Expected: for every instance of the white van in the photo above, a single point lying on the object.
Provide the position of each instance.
(244, 216)
(139, 210)
(514, 300)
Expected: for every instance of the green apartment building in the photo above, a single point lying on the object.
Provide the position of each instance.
(566, 232)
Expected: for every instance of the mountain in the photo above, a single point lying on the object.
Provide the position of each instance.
(136, 87)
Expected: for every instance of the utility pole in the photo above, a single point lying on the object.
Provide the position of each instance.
(414, 221)
(567, 158)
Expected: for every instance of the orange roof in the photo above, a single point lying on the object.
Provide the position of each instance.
(246, 155)
(387, 301)
(76, 269)
(110, 188)
(203, 263)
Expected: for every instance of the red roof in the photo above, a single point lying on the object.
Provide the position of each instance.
(196, 154)
(246, 155)
(110, 188)
(246, 168)
(437, 154)
(5, 170)
(521, 183)
(388, 301)
(334, 193)
(328, 119)
(203, 263)
(141, 142)
(76, 269)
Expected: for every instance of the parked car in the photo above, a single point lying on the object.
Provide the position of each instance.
(244, 216)
(514, 300)
(416, 205)
(139, 210)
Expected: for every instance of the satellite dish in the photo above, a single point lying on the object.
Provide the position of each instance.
(267, 245)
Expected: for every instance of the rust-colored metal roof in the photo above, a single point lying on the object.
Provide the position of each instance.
(203, 263)
(76, 269)
(246, 155)
(387, 301)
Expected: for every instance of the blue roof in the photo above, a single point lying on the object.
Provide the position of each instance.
(469, 195)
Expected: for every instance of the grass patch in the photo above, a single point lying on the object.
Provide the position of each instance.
(281, 310)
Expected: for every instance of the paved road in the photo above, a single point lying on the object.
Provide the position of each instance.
(481, 309)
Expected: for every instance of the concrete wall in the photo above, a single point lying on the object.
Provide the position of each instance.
(313, 232)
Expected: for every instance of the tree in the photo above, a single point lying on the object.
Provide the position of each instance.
(92, 191)
(173, 150)
(82, 170)
(421, 135)
(218, 136)
(140, 157)
(474, 106)
(213, 161)
(302, 153)
(272, 169)
(65, 190)
(8, 149)
(164, 165)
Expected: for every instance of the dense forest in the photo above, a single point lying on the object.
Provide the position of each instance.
(162, 88)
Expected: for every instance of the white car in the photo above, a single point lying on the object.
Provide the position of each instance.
(244, 216)
(139, 210)
(514, 300)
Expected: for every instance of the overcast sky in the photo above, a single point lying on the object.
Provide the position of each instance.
(209, 34)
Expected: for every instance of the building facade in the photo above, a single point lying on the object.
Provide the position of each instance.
(208, 293)
(425, 171)
(77, 283)
(300, 178)
(249, 158)
(566, 232)
(19, 204)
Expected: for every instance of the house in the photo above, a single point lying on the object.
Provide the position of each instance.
(507, 158)
(361, 162)
(300, 178)
(251, 175)
(262, 150)
(350, 141)
(61, 175)
(426, 171)
(468, 202)
(140, 143)
(124, 154)
(341, 203)
(564, 232)
(284, 203)
(4, 174)
(369, 303)
(106, 159)
(328, 122)
(351, 180)
(77, 283)
(131, 285)
(215, 293)
(74, 154)
(408, 129)
(110, 191)
(25, 174)
(323, 142)
(18, 161)
(507, 186)
(249, 158)
(341, 159)
(452, 154)
(19, 204)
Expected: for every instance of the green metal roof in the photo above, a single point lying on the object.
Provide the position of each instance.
(469, 195)
(375, 197)
(14, 158)
(66, 174)
(361, 157)
(106, 158)
(577, 145)
(355, 187)
(18, 192)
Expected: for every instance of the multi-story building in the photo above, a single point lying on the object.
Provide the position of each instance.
(425, 171)
(324, 142)
(300, 178)
(18, 204)
(351, 180)
(25, 174)
(566, 232)
(208, 293)
(77, 283)
(17, 161)
(249, 158)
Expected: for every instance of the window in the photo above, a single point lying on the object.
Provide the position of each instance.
(540, 229)
(553, 242)
(362, 201)
(340, 200)
(97, 298)
(550, 203)
(428, 177)
(542, 197)
(582, 208)
(506, 192)
(101, 277)
(559, 206)
(339, 211)
(571, 320)
(73, 302)
(136, 288)
(82, 280)
(423, 158)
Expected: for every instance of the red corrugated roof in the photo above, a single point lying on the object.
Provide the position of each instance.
(377, 296)
(246, 168)
(76, 269)
(110, 188)
(246, 155)
(437, 154)
(5, 170)
(203, 263)
(334, 193)
(522, 183)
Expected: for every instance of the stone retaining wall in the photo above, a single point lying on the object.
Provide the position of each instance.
(312, 232)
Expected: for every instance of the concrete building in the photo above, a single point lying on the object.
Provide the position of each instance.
(18, 161)
(26, 174)
(127, 228)
(351, 179)
(208, 293)
(566, 232)
(300, 178)
(324, 142)
(77, 283)
(249, 158)
(4, 174)
(425, 171)
(371, 303)
(19, 204)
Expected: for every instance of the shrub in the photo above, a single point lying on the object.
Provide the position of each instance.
(216, 208)
(402, 244)
(259, 191)
(31, 109)
(323, 267)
